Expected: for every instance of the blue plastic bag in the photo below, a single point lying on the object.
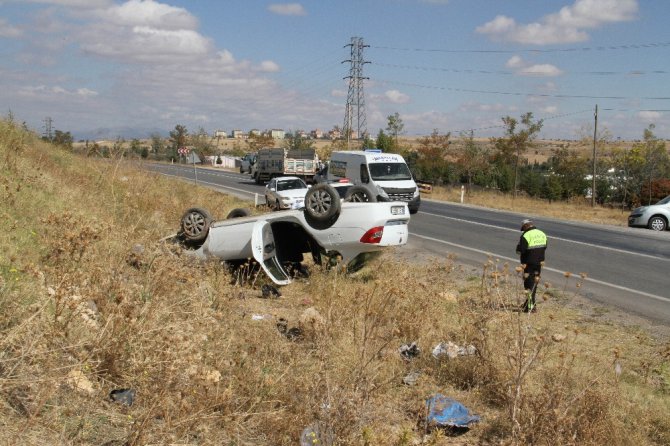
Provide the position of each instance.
(447, 412)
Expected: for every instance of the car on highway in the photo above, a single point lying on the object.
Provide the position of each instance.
(328, 228)
(655, 216)
(286, 193)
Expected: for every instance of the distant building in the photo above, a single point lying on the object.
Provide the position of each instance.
(220, 134)
(277, 133)
(254, 132)
(238, 134)
(317, 134)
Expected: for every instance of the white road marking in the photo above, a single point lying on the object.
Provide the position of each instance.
(212, 184)
(591, 245)
(590, 279)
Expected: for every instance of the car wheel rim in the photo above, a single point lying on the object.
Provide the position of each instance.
(194, 224)
(320, 203)
(657, 225)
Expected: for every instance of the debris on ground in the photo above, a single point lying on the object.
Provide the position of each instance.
(447, 412)
(269, 291)
(452, 350)
(409, 351)
(292, 334)
(411, 378)
(123, 396)
(317, 434)
(77, 380)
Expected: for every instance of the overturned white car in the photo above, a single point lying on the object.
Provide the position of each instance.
(327, 227)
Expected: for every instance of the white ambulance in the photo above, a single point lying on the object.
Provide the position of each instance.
(385, 175)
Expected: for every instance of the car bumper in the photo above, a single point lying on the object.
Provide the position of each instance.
(395, 234)
(414, 204)
(636, 221)
(298, 204)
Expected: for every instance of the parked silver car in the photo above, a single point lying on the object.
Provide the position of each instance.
(654, 217)
(286, 193)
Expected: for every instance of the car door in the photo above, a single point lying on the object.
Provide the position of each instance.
(264, 251)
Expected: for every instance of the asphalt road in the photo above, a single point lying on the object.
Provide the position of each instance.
(624, 267)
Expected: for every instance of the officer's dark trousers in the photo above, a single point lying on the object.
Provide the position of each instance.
(532, 279)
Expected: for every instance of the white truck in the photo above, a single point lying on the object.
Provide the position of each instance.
(279, 162)
(385, 175)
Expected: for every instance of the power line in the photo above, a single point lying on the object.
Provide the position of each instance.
(502, 72)
(508, 93)
(563, 115)
(554, 50)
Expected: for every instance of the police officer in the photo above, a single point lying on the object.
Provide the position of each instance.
(531, 247)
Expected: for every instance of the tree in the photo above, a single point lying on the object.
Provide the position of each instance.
(384, 142)
(256, 142)
(157, 143)
(368, 143)
(201, 142)
(655, 163)
(297, 142)
(552, 188)
(63, 139)
(135, 146)
(432, 164)
(572, 170)
(178, 137)
(471, 158)
(395, 126)
(516, 142)
(639, 166)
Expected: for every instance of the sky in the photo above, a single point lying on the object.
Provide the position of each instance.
(129, 68)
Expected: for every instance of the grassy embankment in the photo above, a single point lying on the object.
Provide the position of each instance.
(91, 301)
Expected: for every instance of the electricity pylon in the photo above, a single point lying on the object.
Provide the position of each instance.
(354, 115)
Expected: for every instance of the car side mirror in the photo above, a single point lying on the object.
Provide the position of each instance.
(272, 189)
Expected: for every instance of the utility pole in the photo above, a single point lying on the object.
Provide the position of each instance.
(354, 115)
(595, 136)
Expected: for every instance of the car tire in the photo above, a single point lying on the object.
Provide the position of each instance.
(195, 224)
(238, 212)
(657, 223)
(360, 194)
(322, 206)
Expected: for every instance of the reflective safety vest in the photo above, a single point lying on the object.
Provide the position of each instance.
(535, 239)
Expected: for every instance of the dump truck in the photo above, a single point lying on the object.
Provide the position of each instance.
(279, 162)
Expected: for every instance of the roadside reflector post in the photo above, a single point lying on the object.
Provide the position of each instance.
(462, 193)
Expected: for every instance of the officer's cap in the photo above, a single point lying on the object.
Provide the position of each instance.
(526, 223)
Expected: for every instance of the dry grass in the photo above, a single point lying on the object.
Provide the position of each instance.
(91, 301)
(576, 210)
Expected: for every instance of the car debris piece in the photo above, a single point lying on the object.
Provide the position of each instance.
(411, 378)
(327, 228)
(409, 351)
(268, 291)
(292, 334)
(317, 434)
(123, 396)
(452, 350)
(447, 412)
